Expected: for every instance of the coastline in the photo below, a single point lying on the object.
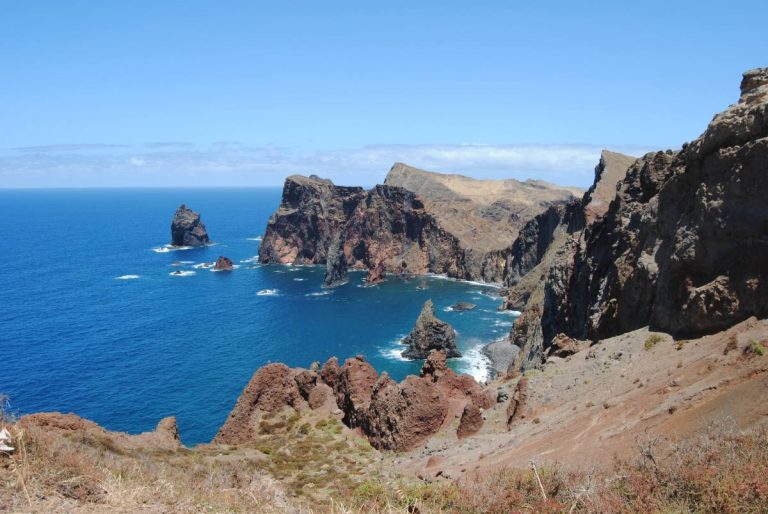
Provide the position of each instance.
(500, 354)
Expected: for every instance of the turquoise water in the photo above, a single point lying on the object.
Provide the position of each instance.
(92, 322)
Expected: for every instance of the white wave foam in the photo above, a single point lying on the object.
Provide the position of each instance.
(255, 258)
(182, 273)
(299, 279)
(394, 349)
(234, 266)
(254, 238)
(319, 293)
(475, 363)
(441, 276)
(204, 265)
(127, 277)
(511, 313)
(170, 248)
(448, 309)
(267, 292)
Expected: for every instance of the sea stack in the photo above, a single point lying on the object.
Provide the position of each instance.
(336, 265)
(187, 229)
(430, 334)
(223, 264)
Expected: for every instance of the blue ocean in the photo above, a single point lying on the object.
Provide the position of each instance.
(93, 322)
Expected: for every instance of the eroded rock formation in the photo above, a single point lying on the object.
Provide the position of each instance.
(429, 334)
(416, 222)
(187, 229)
(393, 416)
(336, 263)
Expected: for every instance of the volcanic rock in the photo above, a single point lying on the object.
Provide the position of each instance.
(187, 229)
(463, 306)
(271, 388)
(336, 263)
(416, 222)
(376, 274)
(429, 334)
(401, 416)
(471, 421)
(353, 389)
(563, 346)
(518, 403)
(684, 245)
(223, 264)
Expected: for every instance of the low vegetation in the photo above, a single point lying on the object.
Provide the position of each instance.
(652, 341)
(720, 472)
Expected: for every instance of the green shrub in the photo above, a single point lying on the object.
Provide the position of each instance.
(652, 341)
(755, 348)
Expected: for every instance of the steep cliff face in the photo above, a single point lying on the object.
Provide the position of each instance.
(416, 222)
(684, 244)
(187, 229)
(311, 211)
(485, 216)
(541, 259)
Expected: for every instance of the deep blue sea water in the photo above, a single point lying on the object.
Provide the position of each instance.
(126, 352)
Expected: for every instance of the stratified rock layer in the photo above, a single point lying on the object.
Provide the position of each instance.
(429, 334)
(187, 229)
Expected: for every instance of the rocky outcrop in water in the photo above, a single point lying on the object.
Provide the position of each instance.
(336, 263)
(393, 416)
(187, 229)
(311, 211)
(223, 264)
(684, 245)
(429, 334)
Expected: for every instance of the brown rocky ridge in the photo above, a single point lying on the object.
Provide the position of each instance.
(417, 222)
(187, 229)
(391, 415)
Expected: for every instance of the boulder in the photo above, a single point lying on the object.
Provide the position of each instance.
(187, 229)
(471, 421)
(564, 346)
(429, 334)
(518, 403)
(402, 416)
(376, 274)
(463, 306)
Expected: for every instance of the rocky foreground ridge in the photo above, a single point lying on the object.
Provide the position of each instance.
(393, 416)
(416, 222)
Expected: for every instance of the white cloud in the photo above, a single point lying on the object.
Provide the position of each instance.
(177, 164)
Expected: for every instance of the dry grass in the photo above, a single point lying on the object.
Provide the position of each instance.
(292, 466)
(314, 465)
(720, 472)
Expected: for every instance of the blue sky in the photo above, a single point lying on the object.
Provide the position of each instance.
(171, 93)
